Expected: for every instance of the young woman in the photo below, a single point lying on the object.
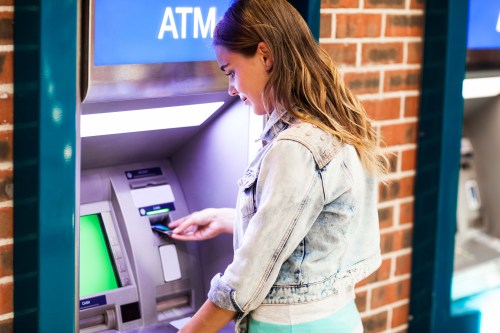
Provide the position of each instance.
(305, 226)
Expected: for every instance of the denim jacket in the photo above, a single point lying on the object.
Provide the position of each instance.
(306, 222)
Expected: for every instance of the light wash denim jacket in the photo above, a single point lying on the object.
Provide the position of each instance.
(306, 222)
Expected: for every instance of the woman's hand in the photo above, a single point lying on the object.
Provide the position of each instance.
(208, 319)
(204, 224)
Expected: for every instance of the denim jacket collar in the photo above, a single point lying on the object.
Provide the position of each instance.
(277, 122)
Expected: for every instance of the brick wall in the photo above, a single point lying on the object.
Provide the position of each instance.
(377, 44)
(6, 164)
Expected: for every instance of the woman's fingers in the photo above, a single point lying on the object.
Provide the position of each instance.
(178, 222)
(185, 225)
(193, 221)
(201, 225)
(184, 237)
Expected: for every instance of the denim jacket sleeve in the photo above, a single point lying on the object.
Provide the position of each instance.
(289, 198)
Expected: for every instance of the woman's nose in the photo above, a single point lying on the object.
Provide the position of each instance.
(232, 91)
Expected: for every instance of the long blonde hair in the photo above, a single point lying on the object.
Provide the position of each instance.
(304, 81)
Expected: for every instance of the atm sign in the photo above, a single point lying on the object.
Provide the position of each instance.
(155, 31)
(202, 26)
(484, 24)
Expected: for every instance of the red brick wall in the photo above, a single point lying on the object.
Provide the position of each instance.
(377, 44)
(6, 164)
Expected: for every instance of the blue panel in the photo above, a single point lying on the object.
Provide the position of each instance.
(58, 110)
(155, 31)
(437, 174)
(484, 24)
(310, 11)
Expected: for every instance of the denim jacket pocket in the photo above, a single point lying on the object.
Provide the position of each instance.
(246, 194)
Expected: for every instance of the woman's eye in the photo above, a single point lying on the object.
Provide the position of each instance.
(230, 74)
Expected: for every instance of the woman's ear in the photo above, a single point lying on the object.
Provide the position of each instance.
(266, 55)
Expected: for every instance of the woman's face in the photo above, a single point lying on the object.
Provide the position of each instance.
(247, 75)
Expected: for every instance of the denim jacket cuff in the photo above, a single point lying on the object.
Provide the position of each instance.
(223, 295)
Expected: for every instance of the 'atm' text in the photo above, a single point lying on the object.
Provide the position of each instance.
(200, 26)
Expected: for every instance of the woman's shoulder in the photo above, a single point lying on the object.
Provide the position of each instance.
(322, 145)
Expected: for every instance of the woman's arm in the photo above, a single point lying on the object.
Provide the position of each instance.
(208, 319)
(204, 224)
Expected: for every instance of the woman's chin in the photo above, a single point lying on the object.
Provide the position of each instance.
(257, 111)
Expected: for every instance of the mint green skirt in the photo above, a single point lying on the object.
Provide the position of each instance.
(345, 320)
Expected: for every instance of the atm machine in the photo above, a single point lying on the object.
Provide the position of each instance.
(160, 138)
(477, 245)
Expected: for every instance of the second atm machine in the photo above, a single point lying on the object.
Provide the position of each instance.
(477, 245)
(160, 138)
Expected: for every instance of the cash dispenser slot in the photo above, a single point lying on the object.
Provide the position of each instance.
(97, 320)
(105, 318)
(174, 307)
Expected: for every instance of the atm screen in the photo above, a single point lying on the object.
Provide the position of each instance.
(155, 31)
(97, 270)
(484, 24)
(483, 35)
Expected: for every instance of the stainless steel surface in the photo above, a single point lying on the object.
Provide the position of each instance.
(116, 149)
(474, 252)
(482, 125)
(477, 248)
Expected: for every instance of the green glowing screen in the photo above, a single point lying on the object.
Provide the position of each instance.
(96, 270)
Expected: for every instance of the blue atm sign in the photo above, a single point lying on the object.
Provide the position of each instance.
(484, 24)
(155, 31)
